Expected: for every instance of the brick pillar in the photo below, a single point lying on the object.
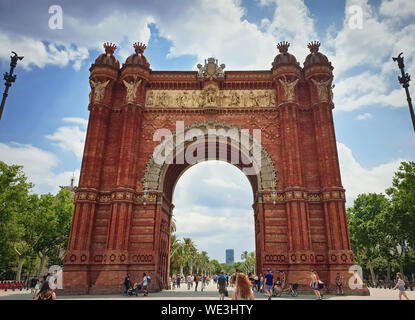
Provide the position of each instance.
(78, 255)
(300, 248)
(339, 254)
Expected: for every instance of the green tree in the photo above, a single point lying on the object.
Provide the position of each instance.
(367, 236)
(402, 195)
(14, 190)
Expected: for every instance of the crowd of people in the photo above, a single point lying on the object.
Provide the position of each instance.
(41, 289)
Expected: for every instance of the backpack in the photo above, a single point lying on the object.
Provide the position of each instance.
(221, 281)
(148, 280)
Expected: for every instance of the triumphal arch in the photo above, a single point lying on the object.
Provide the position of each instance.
(146, 127)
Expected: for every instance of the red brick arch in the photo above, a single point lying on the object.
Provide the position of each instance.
(123, 204)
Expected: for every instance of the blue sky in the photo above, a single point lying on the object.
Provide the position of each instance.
(44, 122)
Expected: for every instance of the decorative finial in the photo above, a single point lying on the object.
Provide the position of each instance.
(110, 48)
(283, 46)
(139, 47)
(313, 46)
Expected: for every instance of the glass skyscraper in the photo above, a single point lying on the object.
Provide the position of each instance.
(230, 256)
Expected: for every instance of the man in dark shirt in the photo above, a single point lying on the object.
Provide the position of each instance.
(126, 283)
(221, 286)
(269, 281)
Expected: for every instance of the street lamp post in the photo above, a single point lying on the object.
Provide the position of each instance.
(10, 78)
(404, 80)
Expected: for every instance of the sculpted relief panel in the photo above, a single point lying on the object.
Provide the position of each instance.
(210, 97)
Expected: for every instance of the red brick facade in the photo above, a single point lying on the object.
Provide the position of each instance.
(121, 224)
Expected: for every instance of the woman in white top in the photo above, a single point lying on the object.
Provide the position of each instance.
(401, 285)
(243, 289)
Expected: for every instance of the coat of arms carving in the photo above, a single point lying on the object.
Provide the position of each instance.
(211, 70)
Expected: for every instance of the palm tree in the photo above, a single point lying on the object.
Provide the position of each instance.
(244, 255)
(190, 252)
(204, 261)
(175, 251)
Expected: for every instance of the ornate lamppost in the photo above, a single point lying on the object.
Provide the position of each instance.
(10, 78)
(404, 80)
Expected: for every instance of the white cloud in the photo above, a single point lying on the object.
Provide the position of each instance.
(213, 206)
(81, 121)
(38, 166)
(357, 179)
(370, 50)
(71, 138)
(402, 9)
(37, 53)
(364, 116)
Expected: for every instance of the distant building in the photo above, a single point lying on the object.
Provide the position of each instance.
(71, 187)
(230, 256)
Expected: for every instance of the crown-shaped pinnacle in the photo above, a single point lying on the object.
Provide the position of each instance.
(110, 48)
(313, 46)
(139, 47)
(283, 46)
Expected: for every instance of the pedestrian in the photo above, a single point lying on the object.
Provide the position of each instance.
(203, 282)
(37, 288)
(269, 282)
(146, 281)
(126, 284)
(401, 285)
(243, 289)
(178, 279)
(256, 282)
(251, 280)
(174, 281)
(261, 283)
(221, 286)
(339, 284)
(45, 293)
(197, 279)
(33, 282)
(189, 281)
(315, 284)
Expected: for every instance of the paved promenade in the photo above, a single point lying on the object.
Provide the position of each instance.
(210, 293)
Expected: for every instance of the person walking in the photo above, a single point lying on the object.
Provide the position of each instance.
(178, 279)
(221, 286)
(174, 281)
(126, 284)
(269, 282)
(197, 279)
(256, 282)
(189, 281)
(339, 284)
(33, 282)
(203, 282)
(315, 284)
(243, 289)
(37, 288)
(145, 285)
(401, 285)
(45, 293)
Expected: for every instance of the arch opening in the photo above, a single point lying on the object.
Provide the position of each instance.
(212, 207)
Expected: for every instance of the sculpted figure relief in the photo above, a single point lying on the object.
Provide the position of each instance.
(210, 97)
(288, 88)
(324, 89)
(99, 90)
(132, 89)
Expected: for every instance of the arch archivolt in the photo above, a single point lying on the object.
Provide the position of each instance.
(262, 164)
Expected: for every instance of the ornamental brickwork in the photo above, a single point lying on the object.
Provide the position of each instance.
(123, 204)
